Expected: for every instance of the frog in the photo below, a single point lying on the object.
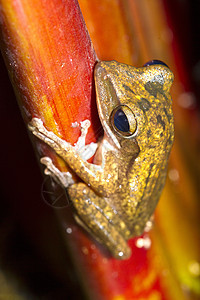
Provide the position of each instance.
(119, 190)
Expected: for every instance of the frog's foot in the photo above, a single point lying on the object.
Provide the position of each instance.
(59, 145)
(85, 151)
(63, 178)
(97, 222)
(37, 128)
(84, 130)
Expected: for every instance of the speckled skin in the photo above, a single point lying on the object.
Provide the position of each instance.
(119, 196)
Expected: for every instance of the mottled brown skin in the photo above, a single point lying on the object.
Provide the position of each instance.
(119, 196)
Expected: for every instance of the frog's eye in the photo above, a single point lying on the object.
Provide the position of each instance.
(155, 62)
(123, 121)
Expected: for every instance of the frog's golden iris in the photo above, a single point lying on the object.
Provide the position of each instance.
(123, 121)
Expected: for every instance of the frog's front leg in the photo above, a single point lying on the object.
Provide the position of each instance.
(96, 217)
(85, 151)
(73, 156)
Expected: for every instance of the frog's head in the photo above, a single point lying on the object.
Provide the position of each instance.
(134, 104)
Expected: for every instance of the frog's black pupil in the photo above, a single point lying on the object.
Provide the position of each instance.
(155, 62)
(121, 121)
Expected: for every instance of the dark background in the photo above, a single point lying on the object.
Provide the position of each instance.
(184, 16)
(32, 253)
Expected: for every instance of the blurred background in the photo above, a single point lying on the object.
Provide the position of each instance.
(34, 262)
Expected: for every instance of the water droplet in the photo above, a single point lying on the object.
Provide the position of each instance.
(187, 100)
(93, 247)
(75, 124)
(69, 230)
(85, 250)
(143, 242)
(194, 268)
(148, 226)
(94, 256)
(105, 260)
(121, 253)
(173, 175)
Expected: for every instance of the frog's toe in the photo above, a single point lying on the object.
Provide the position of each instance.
(31, 127)
(126, 253)
(118, 246)
(37, 122)
(123, 253)
(35, 125)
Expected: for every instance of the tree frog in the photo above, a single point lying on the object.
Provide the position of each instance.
(120, 189)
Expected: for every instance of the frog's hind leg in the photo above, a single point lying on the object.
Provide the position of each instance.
(90, 216)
